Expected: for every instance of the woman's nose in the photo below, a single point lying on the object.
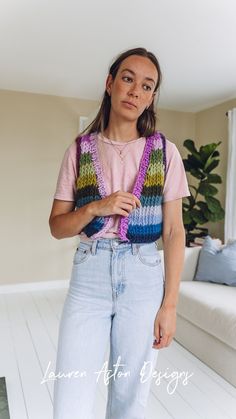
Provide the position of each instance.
(133, 92)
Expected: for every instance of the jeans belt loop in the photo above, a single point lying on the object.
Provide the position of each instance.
(134, 248)
(94, 247)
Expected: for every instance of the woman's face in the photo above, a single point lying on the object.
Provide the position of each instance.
(132, 90)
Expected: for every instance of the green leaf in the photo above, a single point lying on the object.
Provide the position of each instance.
(212, 217)
(206, 189)
(197, 173)
(213, 204)
(200, 164)
(215, 154)
(216, 216)
(204, 208)
(202, 205)
(194, 162)
(191, 199)
(214, 178)
(206, 151)
(211, 164)
(187, 165)
(198, 216)
(189, 144)
(187, 219)
(221, 214)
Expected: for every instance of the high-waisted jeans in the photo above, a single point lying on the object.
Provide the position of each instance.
(115, 291)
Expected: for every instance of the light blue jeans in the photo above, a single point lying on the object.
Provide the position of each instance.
(115, 291)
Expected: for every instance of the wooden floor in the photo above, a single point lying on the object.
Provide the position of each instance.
(29, 324)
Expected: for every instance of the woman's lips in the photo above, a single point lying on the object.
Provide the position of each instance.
(129, 104)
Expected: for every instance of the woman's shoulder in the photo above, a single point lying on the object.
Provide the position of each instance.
(71, 149)
(170, 145)
(72, 146)
(69, 159)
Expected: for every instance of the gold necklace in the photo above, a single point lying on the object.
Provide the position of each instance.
(119, 152)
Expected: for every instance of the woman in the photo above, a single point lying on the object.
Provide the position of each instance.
(120, 188)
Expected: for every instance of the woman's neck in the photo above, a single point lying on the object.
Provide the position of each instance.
(121, 132)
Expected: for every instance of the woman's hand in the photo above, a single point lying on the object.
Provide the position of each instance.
(118, 202)
(164, 326)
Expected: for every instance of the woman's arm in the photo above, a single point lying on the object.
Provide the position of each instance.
(173, 238)
(65, 221)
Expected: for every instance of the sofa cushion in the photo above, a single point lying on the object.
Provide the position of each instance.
(211, 307)
(190, 263)
(217, 263)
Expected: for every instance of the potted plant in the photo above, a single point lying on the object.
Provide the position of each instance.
(202, 206)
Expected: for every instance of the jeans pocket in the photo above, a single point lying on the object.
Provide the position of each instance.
(148, 254)
(82, 253)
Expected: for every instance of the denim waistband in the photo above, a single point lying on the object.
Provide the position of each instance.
(112, 244)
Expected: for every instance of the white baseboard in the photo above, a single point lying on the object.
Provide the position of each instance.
(33, 286)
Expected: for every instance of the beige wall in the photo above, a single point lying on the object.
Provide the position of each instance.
(177, 127)
(35, 130)
(212, 126)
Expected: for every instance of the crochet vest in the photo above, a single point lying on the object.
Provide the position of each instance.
(142, 225)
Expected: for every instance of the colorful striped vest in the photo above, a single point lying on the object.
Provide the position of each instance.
(142, 225)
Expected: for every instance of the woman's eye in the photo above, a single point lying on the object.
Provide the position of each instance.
(126, 78)
(129, 79)
(147, 87)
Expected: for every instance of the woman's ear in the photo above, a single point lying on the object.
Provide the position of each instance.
(153, 97)
(109, 84)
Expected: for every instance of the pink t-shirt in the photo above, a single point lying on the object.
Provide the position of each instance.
(120, 175)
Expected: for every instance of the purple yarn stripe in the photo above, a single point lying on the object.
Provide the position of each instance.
(100, 180)
(123, 225)
(78, 153)
(163, 138)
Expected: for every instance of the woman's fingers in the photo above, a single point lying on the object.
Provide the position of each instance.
(119, 202)
(130, 198)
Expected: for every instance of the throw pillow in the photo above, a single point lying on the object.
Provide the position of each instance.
(217, 263)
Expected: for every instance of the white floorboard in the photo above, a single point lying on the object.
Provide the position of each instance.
(9, 367)
(29, 323)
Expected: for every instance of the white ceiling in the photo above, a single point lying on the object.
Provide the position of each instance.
(64, 47)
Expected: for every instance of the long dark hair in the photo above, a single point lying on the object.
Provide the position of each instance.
(146, 122)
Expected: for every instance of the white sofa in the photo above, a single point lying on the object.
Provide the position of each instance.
(206, 319)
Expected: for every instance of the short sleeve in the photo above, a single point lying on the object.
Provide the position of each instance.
(66, 182)
(176, 184)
